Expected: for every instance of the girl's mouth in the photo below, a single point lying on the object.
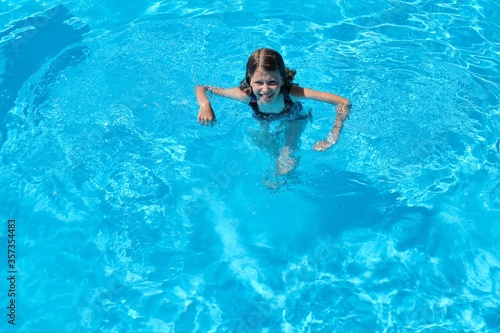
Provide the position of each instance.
(267, 97)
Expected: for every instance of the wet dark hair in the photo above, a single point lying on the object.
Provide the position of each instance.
(268, 60)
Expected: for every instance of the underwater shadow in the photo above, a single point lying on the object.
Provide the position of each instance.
(36, 39)
(351, 201)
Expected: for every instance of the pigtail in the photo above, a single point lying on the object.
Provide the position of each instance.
(245, 87)
(290, 74)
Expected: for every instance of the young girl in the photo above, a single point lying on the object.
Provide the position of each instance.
(269, 91)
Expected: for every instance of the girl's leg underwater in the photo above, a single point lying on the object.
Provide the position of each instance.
(286, 162)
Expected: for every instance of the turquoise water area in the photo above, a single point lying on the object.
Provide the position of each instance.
(131, 217)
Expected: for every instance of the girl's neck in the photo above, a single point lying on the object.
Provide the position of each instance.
(275, 107)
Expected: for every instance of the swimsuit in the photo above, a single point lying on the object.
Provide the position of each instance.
(291, 111)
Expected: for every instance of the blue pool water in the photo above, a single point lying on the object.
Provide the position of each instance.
(131, 217)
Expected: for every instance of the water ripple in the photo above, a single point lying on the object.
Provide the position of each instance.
(139, 219)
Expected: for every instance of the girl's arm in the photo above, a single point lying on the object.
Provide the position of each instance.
(206, 114)
(343, 108)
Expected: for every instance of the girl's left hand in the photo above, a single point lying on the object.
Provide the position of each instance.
(322, 145)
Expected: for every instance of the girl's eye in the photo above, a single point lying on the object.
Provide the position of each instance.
(270, 83)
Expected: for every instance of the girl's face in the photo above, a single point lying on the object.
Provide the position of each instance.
(266, 85)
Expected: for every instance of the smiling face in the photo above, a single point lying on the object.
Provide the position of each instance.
(266, 85)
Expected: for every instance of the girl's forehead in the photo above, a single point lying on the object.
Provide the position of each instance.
(262, 73)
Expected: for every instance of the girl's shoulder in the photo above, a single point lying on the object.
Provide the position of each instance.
(296, 92)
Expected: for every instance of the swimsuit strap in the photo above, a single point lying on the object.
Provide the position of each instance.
(253, 103)
(287, 98)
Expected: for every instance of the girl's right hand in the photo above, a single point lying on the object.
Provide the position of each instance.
(206, 115)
